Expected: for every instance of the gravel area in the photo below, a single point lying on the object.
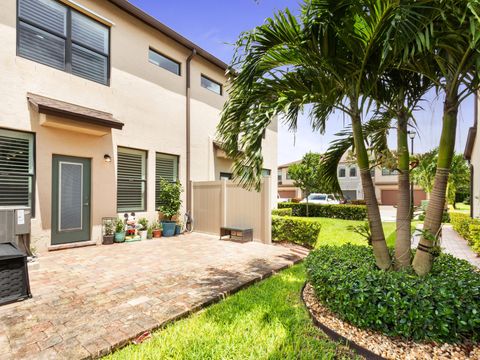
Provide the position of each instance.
(382, 345)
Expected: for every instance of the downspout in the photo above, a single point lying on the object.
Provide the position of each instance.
(188, 88)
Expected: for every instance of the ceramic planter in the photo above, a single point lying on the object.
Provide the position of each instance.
(108, 239)
(168, 228)
(178, 229)
(143, 234)
(120, 237)
(157, 233)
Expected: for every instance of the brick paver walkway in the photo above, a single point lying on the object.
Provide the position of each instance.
(454, 244)
(91, 300)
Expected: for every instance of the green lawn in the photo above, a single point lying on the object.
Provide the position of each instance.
(266, 321)
(460, 207)
(335, 232)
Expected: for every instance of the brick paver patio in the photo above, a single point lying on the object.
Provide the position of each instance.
(91, 300)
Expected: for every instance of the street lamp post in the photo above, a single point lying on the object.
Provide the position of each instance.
(411, 135)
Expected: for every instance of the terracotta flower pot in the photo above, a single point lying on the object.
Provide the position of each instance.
(157, 233)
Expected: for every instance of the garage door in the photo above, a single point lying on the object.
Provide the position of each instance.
(390, 197)
(286, 194)
(350, 194)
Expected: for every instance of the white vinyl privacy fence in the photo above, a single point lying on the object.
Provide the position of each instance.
(224, 203)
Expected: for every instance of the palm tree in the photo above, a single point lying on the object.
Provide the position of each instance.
(330, 58)
(459, 177)
(451, 61)
(423, 174)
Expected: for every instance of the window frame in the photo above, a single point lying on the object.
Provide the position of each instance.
(389, 172)
(354, 168)
(339, 170)
(229, 176)
(32, 176)
(152, 49)
(156, 174)
(69, 42)
(215, 82)
(144, 181)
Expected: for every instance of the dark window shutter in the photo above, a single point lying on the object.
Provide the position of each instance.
(90, 33)
(166, 167)
(49, 14)
(16, 168)
(89, 65)
(131, 178)
(40, 46)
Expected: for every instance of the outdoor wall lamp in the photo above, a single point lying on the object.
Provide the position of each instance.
(107, 158)
(412, 134)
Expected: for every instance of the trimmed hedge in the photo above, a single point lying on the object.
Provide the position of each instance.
(475, 237)
(346, 212)
(443, 306)
(282, 212)
(461, 224)
(299, 231)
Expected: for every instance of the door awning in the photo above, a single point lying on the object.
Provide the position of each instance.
(77, 113)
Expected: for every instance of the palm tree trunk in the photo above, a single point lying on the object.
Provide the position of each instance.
(379, 245)
(404, 208)
(422, 263)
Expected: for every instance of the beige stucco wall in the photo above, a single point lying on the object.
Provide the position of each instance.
(148, 99)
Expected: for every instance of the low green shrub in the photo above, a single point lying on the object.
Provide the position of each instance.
(461, 224)
(343, 211)
(443, 306)
(445, 216)
(299, 231)
(358, 202)
(474, 233)
(282, 212)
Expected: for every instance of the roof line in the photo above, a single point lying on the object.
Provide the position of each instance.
(151, 21)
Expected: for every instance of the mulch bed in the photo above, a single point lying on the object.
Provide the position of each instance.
(376, 345)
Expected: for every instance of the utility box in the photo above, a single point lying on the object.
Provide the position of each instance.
(14, 221)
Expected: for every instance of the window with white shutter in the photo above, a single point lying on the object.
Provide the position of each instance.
(16, 168)
(166, 167)
(131, 180)
(51, 33)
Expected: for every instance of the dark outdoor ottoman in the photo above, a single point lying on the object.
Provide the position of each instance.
(14, 283)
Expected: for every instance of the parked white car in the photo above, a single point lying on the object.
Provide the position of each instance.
(316, 198)
(281, 200)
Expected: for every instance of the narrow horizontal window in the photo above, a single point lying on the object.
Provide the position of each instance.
(211, 85)
(166, 167)
(131, 180)
(266, 172)
(16, 168)
(164, 62)
(58, 36)
(226, 176)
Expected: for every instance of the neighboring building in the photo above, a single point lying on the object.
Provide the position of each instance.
(348, 173)
(386, 188)
(348, 177)
(286, 187)
(100, 101)
(472, 154)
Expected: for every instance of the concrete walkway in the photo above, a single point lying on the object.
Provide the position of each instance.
(453, 244)
(88, 301)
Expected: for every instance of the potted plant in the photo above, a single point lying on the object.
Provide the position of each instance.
(178, 227)
(119, 231)
(150, 232)
(157, 229)
(143, 228)
(170, 205)
(108, 231)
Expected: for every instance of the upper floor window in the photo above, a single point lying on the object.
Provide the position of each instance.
(211, 85)
(164, 62)
(288, 176)
(353, 171)
(388, 172)
(342, 172)
(58, 36)
(266, 172)
(17, 169)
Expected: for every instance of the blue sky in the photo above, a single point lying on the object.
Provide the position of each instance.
(214, 25)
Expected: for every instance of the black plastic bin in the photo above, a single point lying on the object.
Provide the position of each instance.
(14, 283)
